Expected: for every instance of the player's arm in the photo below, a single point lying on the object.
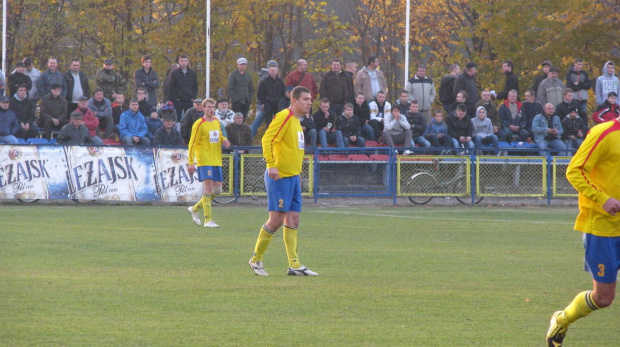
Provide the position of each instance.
(272, 136)
(192, 146)
(580, 168)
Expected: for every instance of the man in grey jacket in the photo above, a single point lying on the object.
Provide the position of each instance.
(550, 90)
(483, 129)
(240, 88)
(396, 129)
(422, 89)
(50, 77)
(606, 83)
(548, 131)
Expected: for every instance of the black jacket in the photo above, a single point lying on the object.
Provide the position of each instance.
(16, 79)
(191, 116)
(468, 84)
(572, 127)
(459, 127)
(164, 137)
(361, 112)
(270, 92)
(563, 109)
(336, 87)
(320, 121)
(349, 126)
(150, 81)
(446, 90)
(24, 109)
(512, 82)
(71, 83)
(183, 86)
(417, 123)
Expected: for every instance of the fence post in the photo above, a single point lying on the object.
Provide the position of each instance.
(236, 174)
(472, 183)
(392, 176)
(549, 176)
(315, 169)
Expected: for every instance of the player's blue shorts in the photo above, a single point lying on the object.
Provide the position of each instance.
(602, 258)
(283, 195)
(210, 173)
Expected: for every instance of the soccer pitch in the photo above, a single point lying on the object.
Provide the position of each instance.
(389, 276)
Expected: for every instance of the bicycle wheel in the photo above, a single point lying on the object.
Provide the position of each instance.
(424, 184)
(225, 199)
(28, 201)
(459, 188)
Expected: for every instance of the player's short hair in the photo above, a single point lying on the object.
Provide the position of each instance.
(297, 91)
(208, 101)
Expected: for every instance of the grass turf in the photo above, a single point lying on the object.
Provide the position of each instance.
(389, 276)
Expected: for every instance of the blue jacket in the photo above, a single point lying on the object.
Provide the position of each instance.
(132, 124)
(541, 124)
(152, 125)
(434, 128)
(8, 123)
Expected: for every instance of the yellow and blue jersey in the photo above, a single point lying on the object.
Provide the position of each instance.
(205, 143)
(593, 172)
(283, 144)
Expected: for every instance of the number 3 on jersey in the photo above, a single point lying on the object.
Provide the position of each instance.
(601, 270)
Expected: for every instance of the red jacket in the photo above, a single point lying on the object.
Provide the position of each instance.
(307, 81)
(90, 121)
(606, 112)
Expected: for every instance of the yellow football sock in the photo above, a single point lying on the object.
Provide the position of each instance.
(206, 205)
(582, 305)
(264, 238)
(290, 242)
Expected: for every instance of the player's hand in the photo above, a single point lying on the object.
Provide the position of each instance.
(191, 169)
(273, 173)
(226, 143)
(612, 206)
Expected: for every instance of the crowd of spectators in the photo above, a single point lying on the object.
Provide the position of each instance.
(354, 108)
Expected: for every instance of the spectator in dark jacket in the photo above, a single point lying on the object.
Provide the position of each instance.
(417, 124)
(362, 112)
(183, 86)
(102, 109)
(166, 87)
(336, 86)
(147, 78)
(575, 129)
(512, 81)
(467, 81)
(349, 126)
(191, 116)
(512, 120)
(529, 109)
(146, 108)
(460, 128)
(167, 135)
(9, 125)
(50, 77)
(578, 80)
(546, 65)
(446, 88)
(309, 129)
(53, 111)
(463, 97)
(285, 102)
(24, 108)
(239, 134)
(270, 92)
(241, 88)
(75, 133)
(19, 78)
(325, 125)
(568, 104)
(75, 90)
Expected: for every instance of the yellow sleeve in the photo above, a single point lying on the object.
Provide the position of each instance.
(273, 136)
(194, 142)
(580, 168)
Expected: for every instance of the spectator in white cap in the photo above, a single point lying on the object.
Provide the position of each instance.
(240, 88)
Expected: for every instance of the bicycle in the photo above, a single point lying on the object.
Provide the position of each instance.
(428, 183)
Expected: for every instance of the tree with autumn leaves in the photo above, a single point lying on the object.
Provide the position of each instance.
(442, 32)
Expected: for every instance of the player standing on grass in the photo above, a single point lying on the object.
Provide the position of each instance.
(205, 145)
(593, 171)
(283, 149)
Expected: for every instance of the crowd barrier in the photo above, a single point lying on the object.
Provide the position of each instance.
(136, 173)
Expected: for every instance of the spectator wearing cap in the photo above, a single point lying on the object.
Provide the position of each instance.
(132, 126)
(147, 78)
(270, 92)
(551, 88)
(102, 109)
(18, 78)
(337, 87)
(110, 81)
(167, 110)
(50, 77)
(183, 86)
(575, 129)
(24, 108)
(88, 117)
(191, 116)
(34, 75)
(76, 134)
(167, 135)
(224, 114)
(545, 65)
(608, 110)
(77, 85)
(239, 134)
(241, 88)
(301, 77)
(53, 111)
(467, 81)
(285, 102)
(9, 125)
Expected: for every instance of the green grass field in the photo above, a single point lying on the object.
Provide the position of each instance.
(389, 276)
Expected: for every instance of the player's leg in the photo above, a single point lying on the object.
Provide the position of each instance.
(276, 219)
(205, 201)
(291, 223)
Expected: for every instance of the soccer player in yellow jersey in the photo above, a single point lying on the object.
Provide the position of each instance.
(594, 171)
(283, 149)
(205, 146)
